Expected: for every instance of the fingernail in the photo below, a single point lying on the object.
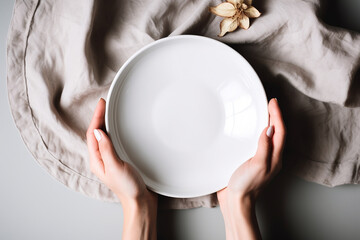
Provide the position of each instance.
(270, 131)
(276, 99)
(97, 135)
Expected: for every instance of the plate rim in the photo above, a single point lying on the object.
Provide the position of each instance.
(131, 59)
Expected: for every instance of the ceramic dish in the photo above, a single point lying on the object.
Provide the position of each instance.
(186, 111)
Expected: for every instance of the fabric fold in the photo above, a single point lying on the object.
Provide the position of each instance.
(63, 55)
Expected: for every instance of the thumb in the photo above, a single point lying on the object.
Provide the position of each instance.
(264, 150)
(106, 148)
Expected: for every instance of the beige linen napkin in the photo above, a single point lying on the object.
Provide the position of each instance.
(63, 55)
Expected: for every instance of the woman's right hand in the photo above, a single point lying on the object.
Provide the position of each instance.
(237, 200)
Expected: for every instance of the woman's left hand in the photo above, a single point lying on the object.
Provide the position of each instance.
(118, 175)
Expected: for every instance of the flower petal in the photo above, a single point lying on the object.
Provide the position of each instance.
(228, 25)
(224, 10)
(252, 12)
(248, 2)
(243, 21)
(236, 3)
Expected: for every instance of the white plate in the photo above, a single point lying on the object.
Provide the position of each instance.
(186, 111)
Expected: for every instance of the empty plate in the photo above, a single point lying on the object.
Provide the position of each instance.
(186, 111)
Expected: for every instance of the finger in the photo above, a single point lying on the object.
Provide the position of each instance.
(106, 149)
(264, 150)
(98, 119)
(96, 164)
(279, 132)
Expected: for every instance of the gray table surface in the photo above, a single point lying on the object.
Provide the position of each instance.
(35, 206)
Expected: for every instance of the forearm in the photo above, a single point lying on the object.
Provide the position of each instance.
(139, 220)
(240, 219)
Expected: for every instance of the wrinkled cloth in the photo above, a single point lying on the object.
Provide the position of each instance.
(63, 55)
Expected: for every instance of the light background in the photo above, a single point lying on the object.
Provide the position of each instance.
(33, 205)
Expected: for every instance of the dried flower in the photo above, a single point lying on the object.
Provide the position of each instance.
(236, 13)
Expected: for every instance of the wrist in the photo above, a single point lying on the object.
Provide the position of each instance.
(144, 205)
(140, 217)
(237, 205)
(146, 200)
(239, 217)
(239, 201)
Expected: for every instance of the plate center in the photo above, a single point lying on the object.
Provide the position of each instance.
(187, 117)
